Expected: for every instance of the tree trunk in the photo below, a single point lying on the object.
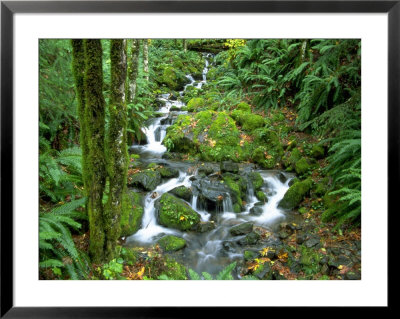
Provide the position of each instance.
(146, 58)
(133, 69)
(94, 120)
(116, 146)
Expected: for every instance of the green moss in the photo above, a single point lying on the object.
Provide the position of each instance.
(242, 106)
(303, 210)
(251, 122)
(261, 196)
(256, 180)
(182, 192)
(148, 179)
(237, 208)
(268, 149)
(238, 185)
(152, 165)
(295, 194)
(94, 121)
(173, 78)
(174, 270)
(132, 213)
(317, 151)
(168, 172)
(175, 213)
(250, 255)
(171, 243)
(302, 166)
(195, 104)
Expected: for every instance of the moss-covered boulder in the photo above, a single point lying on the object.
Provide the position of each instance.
(251, 238)
(195, 104)
(182, 192)
(295, 194)
(243, 106)
(251, 122)
(132, 213)
(238, 187)
(269, 151)
(302, 167)
(147, 180)
(173, 212)
(261, 196)
(168, 172)
(173, 78)
(222, 140)
(171, 243)
(256, 180)
(241, 229)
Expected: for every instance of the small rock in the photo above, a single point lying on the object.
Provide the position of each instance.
(250, 239)
(300, 238)
(313, 241)
(241, 229)
(351, 275)
(283, 235)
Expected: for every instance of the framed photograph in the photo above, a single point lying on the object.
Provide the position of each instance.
(160, 155)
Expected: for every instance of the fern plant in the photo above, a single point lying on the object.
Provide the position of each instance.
(56, 246)
(224, 274)
(60, 174)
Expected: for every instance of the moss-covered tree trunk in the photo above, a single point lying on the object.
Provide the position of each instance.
(78, 68)
(116, 146)
(146, 58)
(94, 121)
(133, 68)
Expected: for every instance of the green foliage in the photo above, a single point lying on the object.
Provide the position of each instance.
(57, 102)
(113, 269)
(56, 246)
(60, 174)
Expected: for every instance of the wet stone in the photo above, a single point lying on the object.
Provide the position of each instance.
(250, 239)
(230, 167)
(241, 229)
(312, 242)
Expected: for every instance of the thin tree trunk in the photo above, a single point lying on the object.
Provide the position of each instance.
(116, 144)
(94, 121)
(133, 69)
(184, 45)
(146, 58)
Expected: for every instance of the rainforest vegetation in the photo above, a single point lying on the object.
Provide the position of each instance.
(191, 159)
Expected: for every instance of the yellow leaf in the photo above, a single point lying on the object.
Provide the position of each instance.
(340, 267)
(182, 218)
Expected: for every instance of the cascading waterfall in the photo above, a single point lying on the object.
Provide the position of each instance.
(205, 251)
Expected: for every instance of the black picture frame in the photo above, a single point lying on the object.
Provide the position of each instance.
(9, 8)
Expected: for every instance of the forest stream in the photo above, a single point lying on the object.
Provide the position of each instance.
(216, 247)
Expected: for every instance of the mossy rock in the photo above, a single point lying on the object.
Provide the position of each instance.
(250, 239)
(171, 243)
(251, 122)
(322, 187)
(147, 180)
(168, 172)
(317, 151)
(238, 186)
(173, 212)
(270, 151)
(261, 196)
(241, 229)
(195, 104)
(256, 180)
(173, 78)
(132, 213)
(295, 194)
(182, 192)
(243, 106)
(302, 167)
